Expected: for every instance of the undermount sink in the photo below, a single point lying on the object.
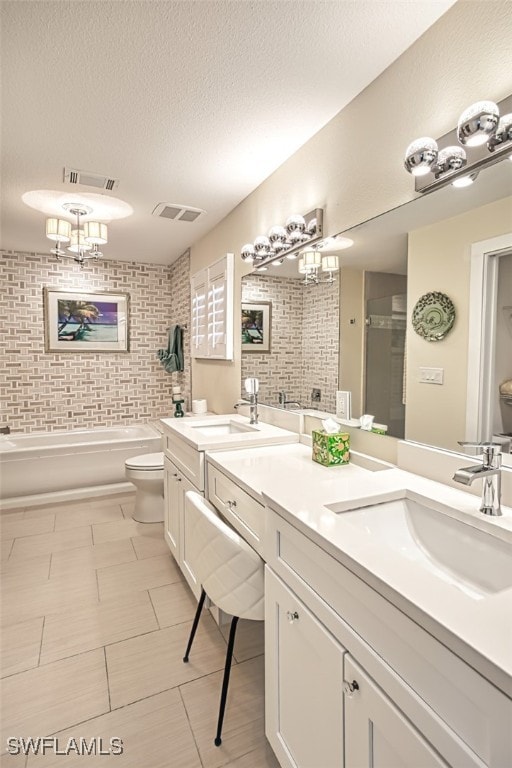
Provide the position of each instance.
(460, 554)
(225, 428)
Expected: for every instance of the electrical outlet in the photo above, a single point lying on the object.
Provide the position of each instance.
(316, 395)
(431, 375)
(343, 405)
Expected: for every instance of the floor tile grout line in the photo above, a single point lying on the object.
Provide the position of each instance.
(108, 679)
(190, 725)
(41, 643)
(154, 609)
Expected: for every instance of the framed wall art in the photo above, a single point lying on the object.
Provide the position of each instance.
(82, 321)
(256, 319)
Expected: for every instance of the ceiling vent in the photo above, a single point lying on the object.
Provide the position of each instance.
(177, 212)
(74, 176)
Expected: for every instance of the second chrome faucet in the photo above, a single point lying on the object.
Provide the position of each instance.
(489, 471)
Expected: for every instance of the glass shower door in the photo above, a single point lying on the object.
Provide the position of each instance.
(385, 362)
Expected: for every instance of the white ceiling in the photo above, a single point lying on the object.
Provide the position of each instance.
(185, 101)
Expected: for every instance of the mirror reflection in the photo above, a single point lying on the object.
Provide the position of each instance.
(363, 340)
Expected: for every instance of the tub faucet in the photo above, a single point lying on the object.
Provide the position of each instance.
(284, 402)
(5, 430)
(489, 471)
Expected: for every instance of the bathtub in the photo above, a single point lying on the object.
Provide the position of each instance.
(66, 464)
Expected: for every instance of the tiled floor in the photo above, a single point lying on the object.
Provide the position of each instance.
(95, 617)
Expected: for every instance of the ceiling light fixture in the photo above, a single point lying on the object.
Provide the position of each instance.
(284, 241)
(84, 241)
(312, 262)
(485, 138)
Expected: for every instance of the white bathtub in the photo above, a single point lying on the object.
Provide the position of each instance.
(59, 463)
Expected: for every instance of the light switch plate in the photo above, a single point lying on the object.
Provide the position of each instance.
(343, 404)
(431, 375)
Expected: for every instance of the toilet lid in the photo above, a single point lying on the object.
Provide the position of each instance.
(146, 461)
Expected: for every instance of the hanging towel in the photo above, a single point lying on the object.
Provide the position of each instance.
(172, 357)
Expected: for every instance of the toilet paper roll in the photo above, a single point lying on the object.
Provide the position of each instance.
(199, 406)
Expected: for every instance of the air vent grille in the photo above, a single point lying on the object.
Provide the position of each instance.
(177, 212)
(87, 179)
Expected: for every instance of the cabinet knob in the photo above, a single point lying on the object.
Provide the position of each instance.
(231, 503)
(178, 479)
(350, 688)
(292, 616)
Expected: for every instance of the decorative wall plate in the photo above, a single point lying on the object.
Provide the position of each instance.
(433, 316)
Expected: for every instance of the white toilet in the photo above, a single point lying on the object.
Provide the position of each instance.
(146, 472)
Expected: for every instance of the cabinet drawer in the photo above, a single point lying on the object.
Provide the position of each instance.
(471, 706)
(244, 513)
(187, 460)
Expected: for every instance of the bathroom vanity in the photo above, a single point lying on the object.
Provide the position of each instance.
(382, 647)
(185, 442)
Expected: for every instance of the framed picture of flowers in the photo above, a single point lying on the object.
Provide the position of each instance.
(82, 321)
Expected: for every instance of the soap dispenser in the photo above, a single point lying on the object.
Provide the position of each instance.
(178, 402)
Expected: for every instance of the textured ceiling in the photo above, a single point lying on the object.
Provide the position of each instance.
(193, 102)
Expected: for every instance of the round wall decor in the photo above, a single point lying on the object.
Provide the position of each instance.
(433, 316)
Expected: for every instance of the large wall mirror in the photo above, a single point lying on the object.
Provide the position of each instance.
(360, 338)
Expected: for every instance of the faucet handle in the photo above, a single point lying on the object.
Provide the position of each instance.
(491, 451)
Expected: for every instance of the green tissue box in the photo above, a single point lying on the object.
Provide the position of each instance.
(331, 450)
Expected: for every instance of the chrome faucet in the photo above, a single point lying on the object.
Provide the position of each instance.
(489, 471)
(252, 386)
(284, 402)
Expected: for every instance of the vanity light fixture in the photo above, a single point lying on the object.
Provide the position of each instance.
(483, 139)
(284, 241)
(84, 240)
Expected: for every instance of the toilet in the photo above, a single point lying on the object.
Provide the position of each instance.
(146, 472)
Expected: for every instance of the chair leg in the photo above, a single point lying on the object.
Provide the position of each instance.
(194, 625)
(225, 682)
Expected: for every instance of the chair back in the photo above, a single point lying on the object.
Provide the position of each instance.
(228, 569)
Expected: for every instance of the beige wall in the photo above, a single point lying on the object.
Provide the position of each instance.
(353, 167)
(439, 260)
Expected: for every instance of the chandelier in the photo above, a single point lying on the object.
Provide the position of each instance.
(313, 263)
(83, 239)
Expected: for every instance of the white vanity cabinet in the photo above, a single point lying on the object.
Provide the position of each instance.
(377, 732)
(303, 683)
(243, 511)
(415, 704)
(175, 523)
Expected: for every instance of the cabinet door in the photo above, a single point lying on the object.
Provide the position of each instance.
(185, 534)
(172, 508)
(199, 303)
(378, 735)
(220, 308)
(303, 683)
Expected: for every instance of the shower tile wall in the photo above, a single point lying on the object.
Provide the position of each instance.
(304, 341)
(51, 391)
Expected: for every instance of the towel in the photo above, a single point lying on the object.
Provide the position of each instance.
(172, 357)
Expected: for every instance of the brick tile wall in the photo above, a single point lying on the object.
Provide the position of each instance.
(51, 391)
(304, 340)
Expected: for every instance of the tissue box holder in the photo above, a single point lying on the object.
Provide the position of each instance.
(331, 450)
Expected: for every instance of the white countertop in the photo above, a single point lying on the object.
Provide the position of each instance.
(477, 626)
(188, 429)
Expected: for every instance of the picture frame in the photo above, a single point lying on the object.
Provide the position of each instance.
(256, 324)
(85, 321)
